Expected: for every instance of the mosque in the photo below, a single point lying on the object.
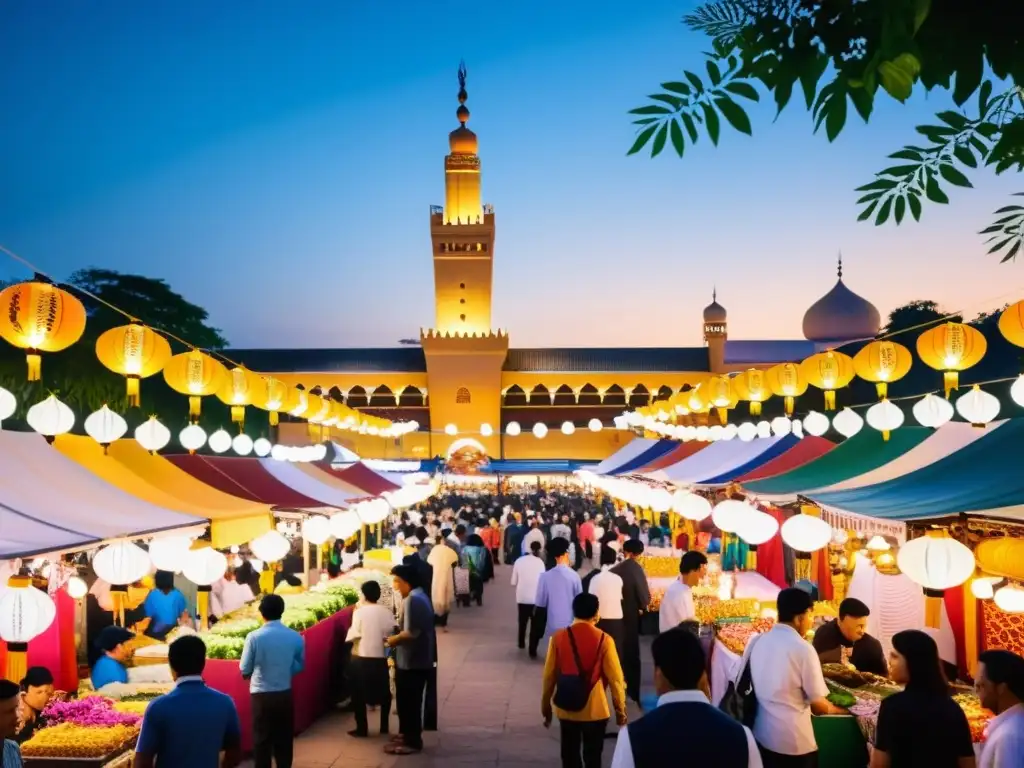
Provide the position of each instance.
(470, 390)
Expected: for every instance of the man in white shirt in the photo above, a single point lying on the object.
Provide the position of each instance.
(677, 602)
(534, 534)
(684, 729)
(1000, 686)
(607, 587)
(228, 595)
(789, 686)
(526, 574)
(372, 624)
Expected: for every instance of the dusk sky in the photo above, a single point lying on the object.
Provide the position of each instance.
(274, 162)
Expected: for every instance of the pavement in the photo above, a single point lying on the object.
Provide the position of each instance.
(488, 702)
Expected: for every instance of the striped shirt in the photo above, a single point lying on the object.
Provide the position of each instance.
(11, 756)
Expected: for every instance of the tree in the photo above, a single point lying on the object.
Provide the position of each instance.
(916, 316)
(840, 54)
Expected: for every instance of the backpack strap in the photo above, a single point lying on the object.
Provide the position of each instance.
(576, 656)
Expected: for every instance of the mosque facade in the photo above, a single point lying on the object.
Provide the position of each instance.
(464, 382)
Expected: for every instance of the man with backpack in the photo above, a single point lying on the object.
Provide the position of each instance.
(581, 662)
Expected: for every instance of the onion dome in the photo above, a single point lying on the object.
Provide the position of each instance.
(714, 312)
(462, 141)
(841, 315)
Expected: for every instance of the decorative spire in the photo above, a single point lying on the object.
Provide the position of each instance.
(840, 265)
(462, 113)
(714, 294)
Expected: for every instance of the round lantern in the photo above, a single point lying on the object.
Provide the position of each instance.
(316, 529)
(764, 429)
(262, 447)
(595, 425)
(781, 426)
(660, 500)
(729, 515)
(344, 525)
(1011, 324)
(120, 564)
(746, 431)
(77, 588)
(951, 348)
(729, 431)
(50, 417)
(220, 441)
(298, 402)
(104, 426)
(882, 362)
(983, 587)
(134, 351)
(486, 430)
(1010, 599)
(757, 527)
(716, 433)
(690, 505)
(242, 444)
(885, 417)
(719, 394)
(806, 533)
(878, 544)
(195, 374)
(513, 429)
(932, 411)
(40, 317)
(828, 371)
(25, 613)
(752, 386)
(816, 423)
(936, 562)
(787, 381)
(152, 435)
(8, 404)
(977, 406)
(192, 438)
(273, 396)
(540, 430)
(203, 566)
(270, 547)
(242, 387)
(847, 422)
(167, 553)
(451, 430)
(798, 428)
(568, 428)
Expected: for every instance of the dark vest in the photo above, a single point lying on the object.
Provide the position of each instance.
(687, 733)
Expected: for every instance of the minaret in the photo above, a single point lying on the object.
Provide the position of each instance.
(462, 235)
(715, 333)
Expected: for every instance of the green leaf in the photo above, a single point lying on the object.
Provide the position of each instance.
(714, 73)
(953, 176)
(732, 112)
(896, 82)
(866, 213)
(907, 154)
(1001, 244)
(783, 91)
(979, 145)
(991, 229)
(987, 129)
(883, 212)
(746, 90)
(899, 170)
(646, 120)
(878, 184)
(713, 123)
(836, 118)
(915, 206)
(921, 10)
(677, 87)
(1011, 253)
(899, 209)
(909, 63)
(934, 192)
(983, 96)
(1010, 208)
(869, 197)
(651, 109)
(691, 128)
(675, 101)
(643, 138)
(953, 119)
(659, 139)
(698, 86)
(863, 102)
(677, 137)
(965, 156)
(810, 75)
(970, 69)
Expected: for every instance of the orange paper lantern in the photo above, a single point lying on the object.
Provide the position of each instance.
(135, 352)
(1011, 323)
(752, 385)
(719, 393)
(828, 371)
(195, 374)
(883, 362)
(242, 387)
(951, 348)
(40, 317)
(786, 381)
(275, 398)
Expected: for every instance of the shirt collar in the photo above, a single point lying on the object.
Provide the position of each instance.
(274, 623)
(188, 679)
(780, 627)
(683, 697)
(1017, 710)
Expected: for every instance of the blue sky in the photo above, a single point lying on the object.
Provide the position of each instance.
(275, 163)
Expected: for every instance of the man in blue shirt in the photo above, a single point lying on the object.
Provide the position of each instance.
(165, 606)
(10, 754)
(272, 655)
(192, 724)
(110, 666)
(556, 590)
(416, 652)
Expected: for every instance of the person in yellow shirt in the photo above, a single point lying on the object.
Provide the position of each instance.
(581, 662)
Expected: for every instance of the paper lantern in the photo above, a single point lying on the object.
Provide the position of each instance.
(152, 435)
(977, 406)
(540, 430)
(121, 563)
(1010, 599)
(1016, 391)
(951, 348)
(192, 438)
(936, 562)
(690, 505)
(788, 382)
(242, 444)
(373, 511)
(659, 500)
(715, 433)
(752, 386)
(134, 351)
(270, 547)
(220, 441)
(195, 374)
(764, 429)
(816, 423)
(273, 396)
(883, 362)
(729, 431)
(885, 417)
(798, 428)
(50, 417)
(167, 553)
(8, 404)
(451, 430)
(932, 411)
(316, 529)
(568, 428)
(878, 544)
(40, 317)
(1003, 555)
(719, 394)
(781, 426)
(983, 587)
(806, 533)
(729, 515)
(828, 371)
(298, 402)
(242, 387)
(1011, 323)
(847, 422)
(344, 525)
(757, 527)
(262, 447)
(486, 430)
(204, 565)
(747, 431)
(77, 589)
(104, 426)
(25, 613)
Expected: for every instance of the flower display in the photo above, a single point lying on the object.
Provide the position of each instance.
(72, 740)
(90, 711)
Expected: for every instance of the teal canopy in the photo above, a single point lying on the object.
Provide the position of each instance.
(984, 475)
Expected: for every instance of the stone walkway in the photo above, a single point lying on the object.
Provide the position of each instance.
(488, 700)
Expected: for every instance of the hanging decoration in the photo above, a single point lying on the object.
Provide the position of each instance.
(8, 405)
(747, 431)
(220, 441)
(932, 411)
(50, 417)
(203, 566)
(134, 351)
(781, 426)
(273, 397)
(270, 547)
(104, 426)
(882, 362)
(540, 430)
(25, 613)
(786, 381)
(885, 417)
(720, 395)
(242, 387)
(816, 423)
(847, 422)
(568, 428)
(977, 406)
(152, 435)
(262, 447)
(192, 438)
(805, 533)
(1011, 324)
(936, 562)
(242, 444)
(828, 371)
(120, 564)
(951, 348)
(167, 553)
(195, 374)
(40, 317)
(751, 385)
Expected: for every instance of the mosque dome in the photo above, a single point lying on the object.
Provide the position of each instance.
(714, 312)
(841, 315)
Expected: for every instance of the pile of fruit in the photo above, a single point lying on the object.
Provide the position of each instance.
(735, 636)
(659, 567)
(73, 740)
(710, 609)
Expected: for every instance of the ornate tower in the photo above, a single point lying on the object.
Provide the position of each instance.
(715, 333)
(464, 356)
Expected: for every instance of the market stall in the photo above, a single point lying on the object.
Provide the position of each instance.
(804, 452)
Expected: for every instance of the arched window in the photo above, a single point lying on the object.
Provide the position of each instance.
(462, 396)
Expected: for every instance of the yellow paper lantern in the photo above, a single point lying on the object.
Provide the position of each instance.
(696, 401)
(242, 387)
(134, 351)
(720, 395)
(195, 374)
(951, 348)
(1011, 323)
(882, 362)
(828, 371)
(40, 317)
(275, 396)
(786, 381)
(752, 386)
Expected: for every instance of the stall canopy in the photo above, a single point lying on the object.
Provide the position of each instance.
(983, 477)
(654, 452)
(628, 452)
(807, 450)
(40, 487)
(531, 466)
(714, 460)
(861, 453)
(770, 454)
(307, 484)
(245, 478)
(226, 527)
(371, 482)
(677, 454)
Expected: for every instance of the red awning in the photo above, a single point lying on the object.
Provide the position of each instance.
(362, 477)
(807, 450)
(243, 477)
(677, 454)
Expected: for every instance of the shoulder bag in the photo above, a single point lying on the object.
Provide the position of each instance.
(740, 701)
(572, 691)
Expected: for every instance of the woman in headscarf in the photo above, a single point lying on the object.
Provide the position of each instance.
(442, 559)
(477, 559)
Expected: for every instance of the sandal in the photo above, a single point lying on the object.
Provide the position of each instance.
(397, 739)
(400, 749)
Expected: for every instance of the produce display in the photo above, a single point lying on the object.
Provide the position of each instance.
(850, 677)
(977, 716)
(71, 740)
(736, 635)
(90, 711)
(711, 609)
(659, 567)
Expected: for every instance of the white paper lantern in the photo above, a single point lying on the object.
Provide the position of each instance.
(104, 426)
(257, 564)
(152, 435)
(781, 426)
(757, 527)
(816, 423)
(1017, 390)
(77, 589)
(936, 562)
(316, 530)
(279, 452)
(703, 434)
(168, 552)
(262, 447)
(715, 433)
(50, 417)
(220, 441)
(512, 429)
(270, 547)
(344, 524)
(932, 411)
(885, 417)
(1010, 599)
(242, 444)
(595, 425)
(373, 511)
(878, 544)
(983, 587)
(204, 565)
(25, 612)
(451, 430)
(8, 404)
(192, 437)
(486, 430)
(121, 563)
(729, 515)
(747, 431)
(847, 422)
(540, 430)
(798, 428)
(619, 422)
(568, 427)
(977, 406)
(659, 500)
(806, 533)
(690, 505)
(764, 429)
(729, 432)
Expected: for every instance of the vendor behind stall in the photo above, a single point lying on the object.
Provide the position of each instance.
(847, 637)
(114, 651)
(36, 692)
(165, 606)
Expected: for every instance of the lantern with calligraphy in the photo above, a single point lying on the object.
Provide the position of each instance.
(1011, 324)
(882, 362)
(788, 382)
(951, 348)
(828, 371)
(752, 386)
(274, 398)
(40, 317)
(195, 374)
(134, 351)
(720, 395)
(242, 387)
